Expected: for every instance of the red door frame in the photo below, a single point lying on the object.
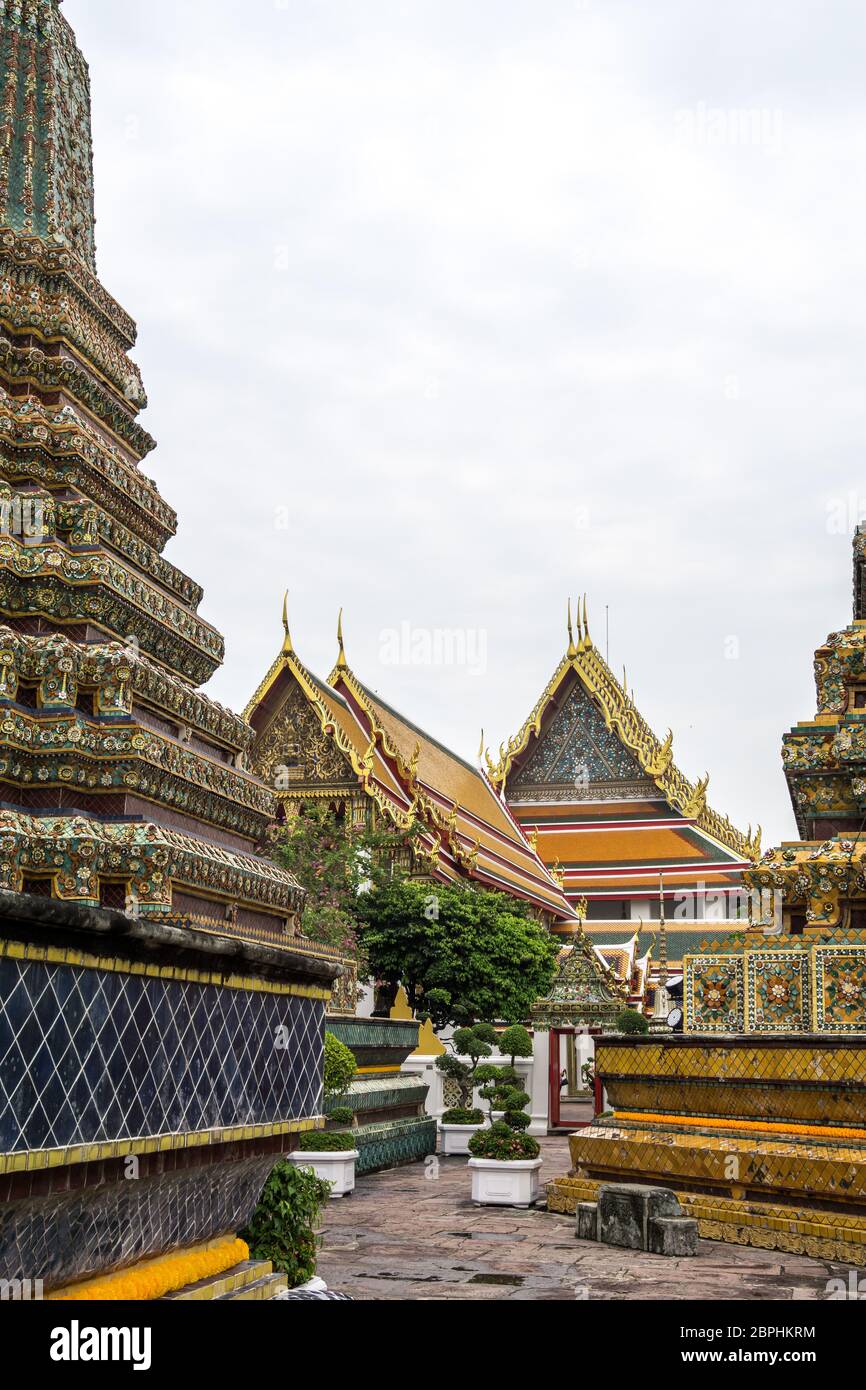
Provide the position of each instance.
(554, 1120)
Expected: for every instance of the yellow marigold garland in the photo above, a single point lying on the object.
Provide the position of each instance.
(759, 1126)
(153, 1278)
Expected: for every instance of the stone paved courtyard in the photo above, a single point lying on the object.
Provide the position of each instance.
(404, 1235)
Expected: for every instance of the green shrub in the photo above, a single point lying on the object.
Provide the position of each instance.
(503, 1144)
(630, 1021)
(341, 1115)
(283, 1225)
(459, 1115)
(340, 1066)
(321, 1141)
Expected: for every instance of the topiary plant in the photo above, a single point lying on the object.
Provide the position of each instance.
(283, 1225)
(460, 1115)
(504, 1141)
(515, 1042)
(503, 1144)
(630, 1021)
(474, 1043)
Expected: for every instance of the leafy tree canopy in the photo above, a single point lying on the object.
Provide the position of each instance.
(462, 954)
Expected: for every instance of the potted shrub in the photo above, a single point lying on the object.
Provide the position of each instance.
(458, 1124)
(331, 1152)
(505, 1161)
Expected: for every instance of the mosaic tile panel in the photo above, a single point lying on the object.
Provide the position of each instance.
(797, 1105)
(89, 1056)
(714, 994)
(812, 1063)
(839, 989)
(63, 1238)
(777, 992)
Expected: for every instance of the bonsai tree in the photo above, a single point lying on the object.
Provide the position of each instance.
(630, 1021)
(475, 1043)
(505, 1140)
(515, 1042)
(339, 1072)
(500, 1087)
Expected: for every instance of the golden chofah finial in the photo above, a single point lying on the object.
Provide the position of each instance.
(586, 637)
(288, 649)
(572, 649)
(342, 664)
(481, 750)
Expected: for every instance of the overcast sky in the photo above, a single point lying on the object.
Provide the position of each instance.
(449, 310)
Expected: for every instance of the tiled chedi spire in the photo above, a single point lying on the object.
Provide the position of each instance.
(122, 784)
(46, 165)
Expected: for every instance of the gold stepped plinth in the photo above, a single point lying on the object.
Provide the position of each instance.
(764, 1139)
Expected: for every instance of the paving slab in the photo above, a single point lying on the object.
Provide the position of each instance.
(406, 1236)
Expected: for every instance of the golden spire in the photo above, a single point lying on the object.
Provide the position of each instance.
(342, 663)
(586, 637)
(579, 628)
(288, 649)
(572, 649)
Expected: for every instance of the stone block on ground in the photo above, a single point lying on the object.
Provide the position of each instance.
(672, 1235)
(625, 1210)
(586, 1226)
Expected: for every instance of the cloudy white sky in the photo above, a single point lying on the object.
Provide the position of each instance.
(449, 310)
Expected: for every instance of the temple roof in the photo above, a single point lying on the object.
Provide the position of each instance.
(641, 760)
(467, 830)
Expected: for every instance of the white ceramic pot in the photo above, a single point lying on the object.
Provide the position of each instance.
(337, 1168)
(499, 1184)
(454, 1139)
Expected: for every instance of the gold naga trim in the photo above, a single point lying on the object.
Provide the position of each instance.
(443, 827)
(363, 766)
(623, 717)
(52, 955)
(32, 1160)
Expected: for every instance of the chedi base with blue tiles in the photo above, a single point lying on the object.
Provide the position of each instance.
(63, 1238)
(89, 1056)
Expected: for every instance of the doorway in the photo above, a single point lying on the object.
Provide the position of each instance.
(574, 1095)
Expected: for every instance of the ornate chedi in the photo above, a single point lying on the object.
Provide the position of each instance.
(602, 800)
(149, 956)
(821, 880)
(757, 1113)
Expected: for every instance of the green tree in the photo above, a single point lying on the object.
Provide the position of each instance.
(461, 953)
(337, 863)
